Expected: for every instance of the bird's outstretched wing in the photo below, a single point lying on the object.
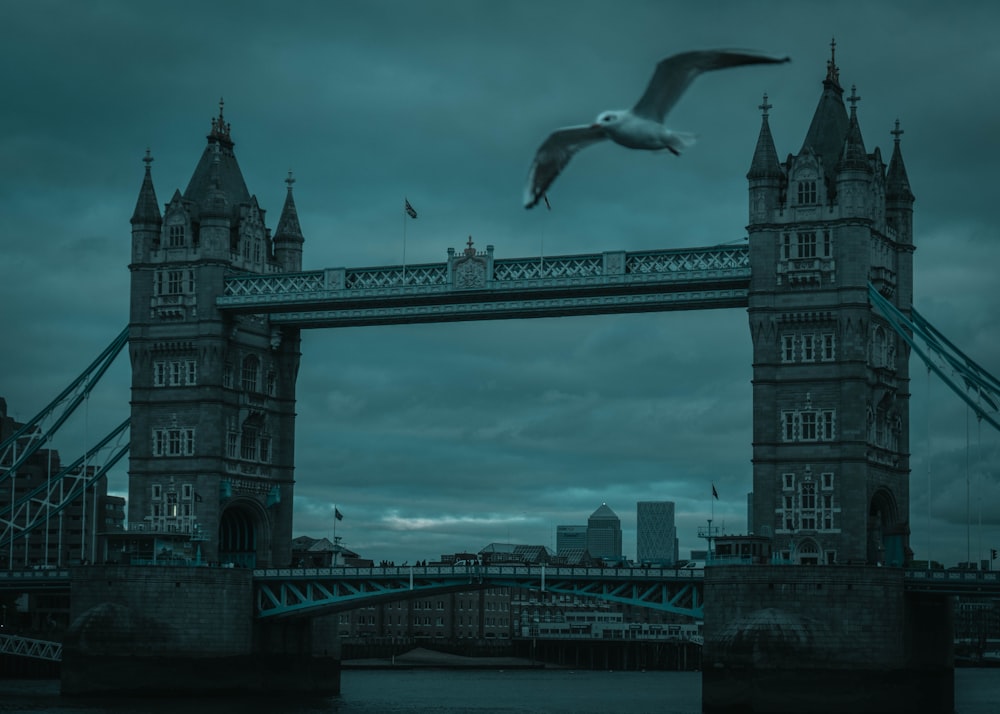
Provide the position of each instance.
(553, 155)
(674, 74)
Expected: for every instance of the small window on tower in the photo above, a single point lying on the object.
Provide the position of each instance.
(807, 192)
(176, 239)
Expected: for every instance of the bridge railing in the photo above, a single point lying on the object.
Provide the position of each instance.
(965, 581)
(482, 571)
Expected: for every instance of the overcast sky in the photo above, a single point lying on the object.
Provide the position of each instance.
(433, 439)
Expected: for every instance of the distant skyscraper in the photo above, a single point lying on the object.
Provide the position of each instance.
(570, 538)
(604, 533)
(656, 534)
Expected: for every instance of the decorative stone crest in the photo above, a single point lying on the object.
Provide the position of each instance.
(470, 270)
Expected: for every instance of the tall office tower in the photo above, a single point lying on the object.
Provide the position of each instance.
(656, 534)
(604, 533)
(570, 538)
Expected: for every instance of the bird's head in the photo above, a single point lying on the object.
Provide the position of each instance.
(608, 119)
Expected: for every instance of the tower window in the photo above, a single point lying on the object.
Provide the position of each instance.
(808, 349)
(173, 442)
(250, 371)
(828, 345)
(176, 237)
(808, 422)
(175, 373)
(808, 425)
(807, 192)
(248, 444)
(787, 348)
(806, 244)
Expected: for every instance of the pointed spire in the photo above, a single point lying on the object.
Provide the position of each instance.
(765, 162)
(218, 172)
(897, 184)
(147, 208)
(832, 70)
(854, 155)
(825, 137)
(288, 238)
(220, 128)
(216, 202)
(288, 224)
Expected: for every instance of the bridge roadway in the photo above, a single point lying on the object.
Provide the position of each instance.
(310, 592)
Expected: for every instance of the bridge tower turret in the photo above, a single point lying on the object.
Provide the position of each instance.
(213, 396)
(830, 379)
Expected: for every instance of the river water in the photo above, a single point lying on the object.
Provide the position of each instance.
(426, 691)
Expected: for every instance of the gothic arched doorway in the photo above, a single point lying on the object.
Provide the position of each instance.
(886, 535)
(807, 552)
(242, 532)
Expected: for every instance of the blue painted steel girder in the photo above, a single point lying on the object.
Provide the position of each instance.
(311, 592)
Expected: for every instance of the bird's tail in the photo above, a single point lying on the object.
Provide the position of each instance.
(677, 141)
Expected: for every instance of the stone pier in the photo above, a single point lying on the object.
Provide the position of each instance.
(188, 630)
(824, 640)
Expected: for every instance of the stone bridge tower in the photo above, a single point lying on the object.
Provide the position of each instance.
(830, 378)
(213, 396)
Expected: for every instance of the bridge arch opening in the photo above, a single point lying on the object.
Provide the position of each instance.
(243, 534)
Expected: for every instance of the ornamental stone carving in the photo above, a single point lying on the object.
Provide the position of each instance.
(470, 273)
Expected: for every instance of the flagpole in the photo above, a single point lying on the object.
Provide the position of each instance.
(404, 240)
(336, 550)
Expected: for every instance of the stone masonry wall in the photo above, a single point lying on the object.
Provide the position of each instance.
(158, 610)
(848, 617)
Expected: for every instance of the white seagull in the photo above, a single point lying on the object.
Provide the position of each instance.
(640, 127)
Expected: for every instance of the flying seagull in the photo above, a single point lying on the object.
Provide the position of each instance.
(640, 127)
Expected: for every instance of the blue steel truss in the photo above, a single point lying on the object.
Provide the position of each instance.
(20, 446)
(973, 384)
(32, 510)
(473, 285)
(312, 592)
(27, 647)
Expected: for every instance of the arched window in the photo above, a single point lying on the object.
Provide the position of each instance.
(878, 347)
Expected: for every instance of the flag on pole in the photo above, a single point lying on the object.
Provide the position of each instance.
(715, 494)
(337, 514)
(410, 211)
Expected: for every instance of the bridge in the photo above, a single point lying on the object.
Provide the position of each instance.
(218, 303)
(312, 592)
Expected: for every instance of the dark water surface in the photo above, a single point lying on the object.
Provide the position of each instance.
(422, 691)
